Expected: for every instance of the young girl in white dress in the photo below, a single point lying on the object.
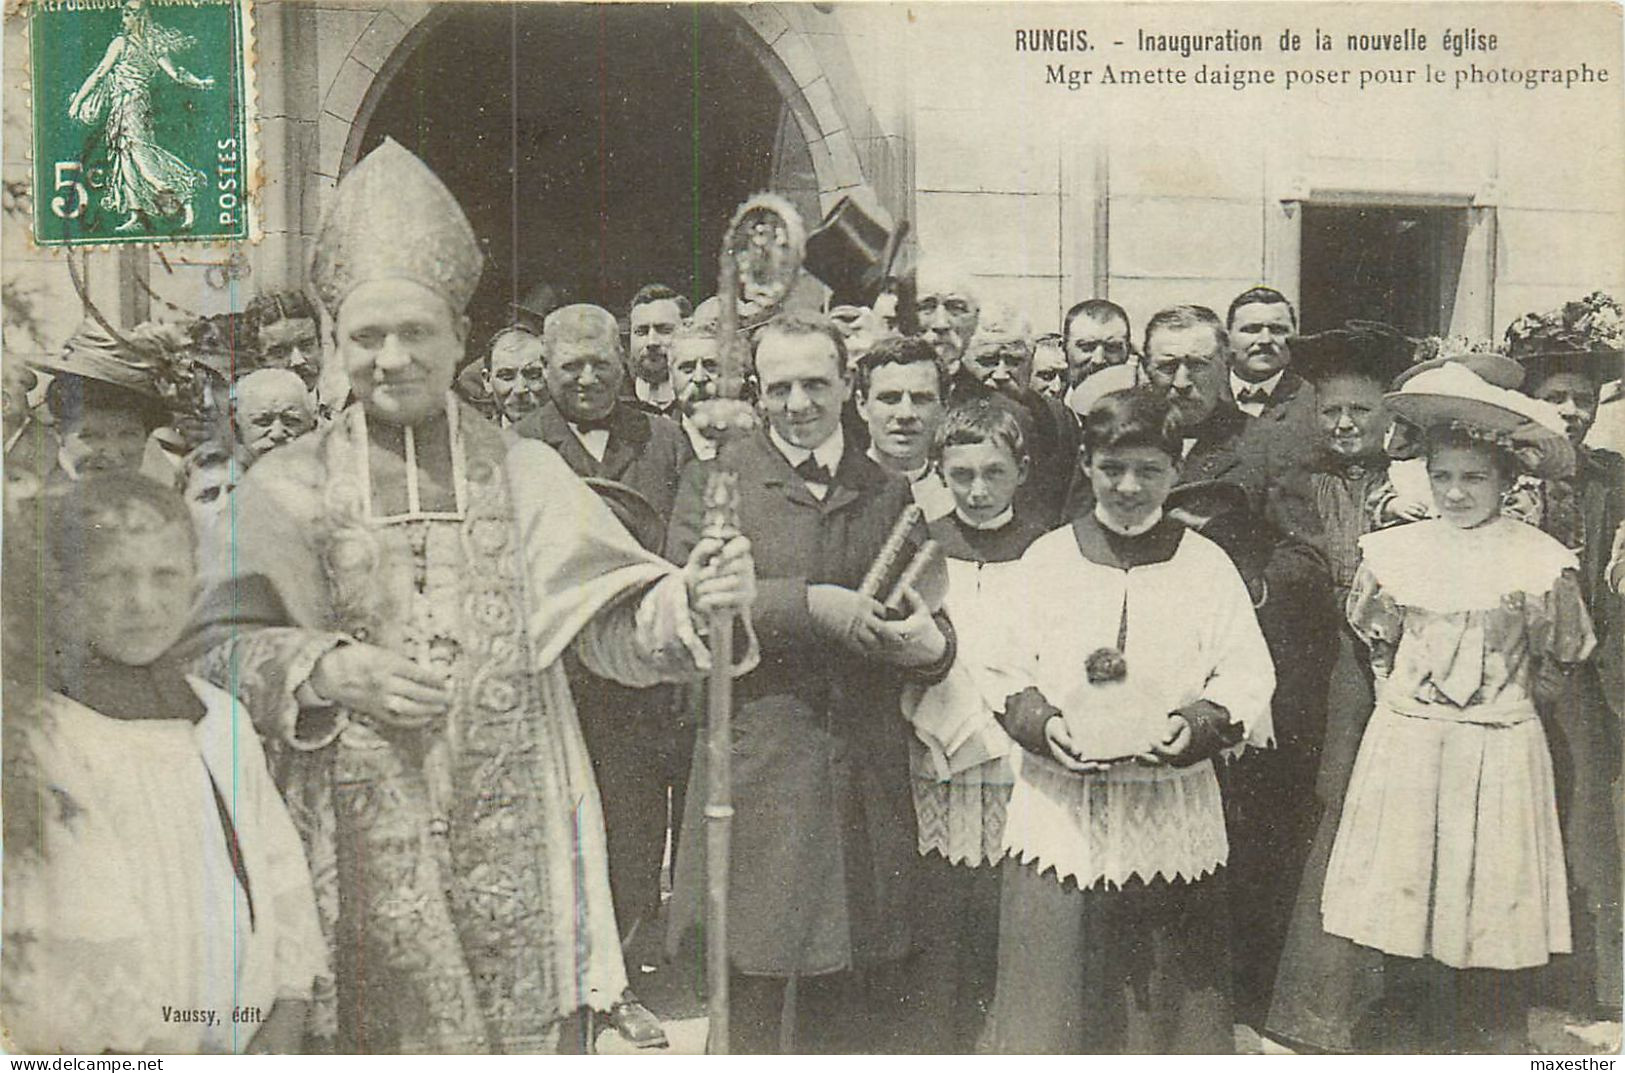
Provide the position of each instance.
(1448, 857)
(162, 903)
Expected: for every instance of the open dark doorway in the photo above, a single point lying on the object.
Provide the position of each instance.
(1381, 262)
(595, 147)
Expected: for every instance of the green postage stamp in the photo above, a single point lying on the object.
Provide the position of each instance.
(142, 124)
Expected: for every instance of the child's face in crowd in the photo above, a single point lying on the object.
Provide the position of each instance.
(983, 478)
(208, 490)
(1131, 483)
(133, 600)
(104, 439)
(1467, 484)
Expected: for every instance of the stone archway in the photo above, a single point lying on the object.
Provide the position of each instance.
(518, 133)
(829, 111)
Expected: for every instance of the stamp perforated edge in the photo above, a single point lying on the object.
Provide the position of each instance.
(249, 47)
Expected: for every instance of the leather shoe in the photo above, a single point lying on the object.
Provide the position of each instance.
(632, 1019)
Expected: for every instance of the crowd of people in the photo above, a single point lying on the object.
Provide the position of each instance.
(1239, 677)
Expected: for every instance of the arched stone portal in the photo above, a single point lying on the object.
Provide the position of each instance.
(577, 125)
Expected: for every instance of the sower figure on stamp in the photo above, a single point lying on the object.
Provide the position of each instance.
(410, 578)
(824, 833)
(147, 180)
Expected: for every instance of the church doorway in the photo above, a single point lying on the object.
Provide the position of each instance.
(595, 147)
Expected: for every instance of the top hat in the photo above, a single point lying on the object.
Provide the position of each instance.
(854, 249)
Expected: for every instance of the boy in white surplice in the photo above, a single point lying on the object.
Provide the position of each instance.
(166, 906)
(1145, 661)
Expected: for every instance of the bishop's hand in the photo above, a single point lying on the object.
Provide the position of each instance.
(385, 685)
(720, 576)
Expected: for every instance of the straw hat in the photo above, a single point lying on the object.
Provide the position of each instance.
(1451, 393)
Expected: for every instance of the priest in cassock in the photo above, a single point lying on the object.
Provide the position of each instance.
(408, 581)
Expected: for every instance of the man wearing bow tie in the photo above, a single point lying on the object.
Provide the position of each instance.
(824, 837)
(1260, 323)
(599, 434)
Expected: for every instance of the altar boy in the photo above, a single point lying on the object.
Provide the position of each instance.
(1147, 662)
(961, 760)
(161, 903)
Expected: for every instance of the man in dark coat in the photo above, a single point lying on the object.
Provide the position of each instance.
(824, 837)
(636, 752)
(1263, 385)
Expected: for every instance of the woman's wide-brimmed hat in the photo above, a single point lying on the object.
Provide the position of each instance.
(1598, 366)
(1451, 393)
(1497, 370)
(94, 353)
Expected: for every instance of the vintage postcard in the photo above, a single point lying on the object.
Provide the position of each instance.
(951, 528)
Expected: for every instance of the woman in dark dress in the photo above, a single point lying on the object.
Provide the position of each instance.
(1583, 512)
(1326, 984)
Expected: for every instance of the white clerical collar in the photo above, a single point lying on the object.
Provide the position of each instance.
(1238, 385)
(910, 475)
(827, 454)
(661, 394)
(998, 521)
(1127, 530)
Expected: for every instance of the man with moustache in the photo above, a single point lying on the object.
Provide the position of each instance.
(947, 309)
(652, 321)
(901, 388)
(695, 365)
(515, 377)
(1097, 334)
(272, 408)
(824, 838)
(1185, 356)
(1261, 322)
(600, 435)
